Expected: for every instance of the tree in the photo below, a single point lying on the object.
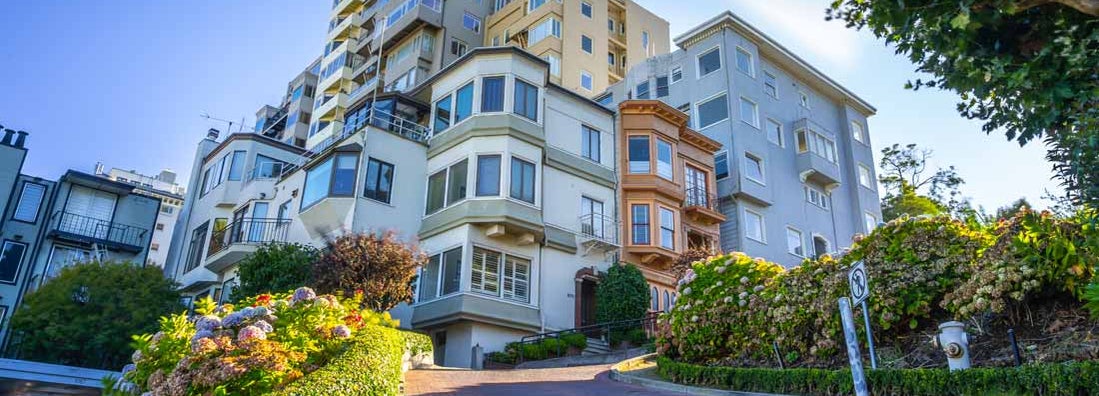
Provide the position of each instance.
(1024, 67)
(683, 263)
(622, 294)
(86, 315)
(1007, 212)
(275, 267)
(914, 189)
(381, 266)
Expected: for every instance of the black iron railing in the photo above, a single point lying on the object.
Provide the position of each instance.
(699, 197)
(599, 330)
(99, 230)
(248, 231)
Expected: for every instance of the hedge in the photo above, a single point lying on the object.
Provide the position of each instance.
(1078, 378)
(370, 366)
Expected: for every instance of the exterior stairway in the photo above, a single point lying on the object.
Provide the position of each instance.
(596, 347)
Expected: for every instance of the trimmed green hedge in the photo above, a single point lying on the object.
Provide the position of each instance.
(1079, 378)
(545, 349)
(370, 366)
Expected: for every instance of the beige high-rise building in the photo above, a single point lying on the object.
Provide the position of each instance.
(590, 44)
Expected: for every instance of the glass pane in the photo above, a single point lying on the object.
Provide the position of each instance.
(743, 61)
(754, 168)
(748, 111)
(721, 165)
(664, 159)
(343, 181)
(492, 94)
(713, 111)
(522, 180)
(10, 258)
(436, 184)
(755, 225)
(709, 62)
(526, 100)
(639, 154)
(442, 114)
(452, 270)
(488, 175)
(236, 167)
(463, 107)
(429, 279)
(456, 189)
(316, 183)
(640, 220)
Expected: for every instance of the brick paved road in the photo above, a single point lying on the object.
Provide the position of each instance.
(571, 381)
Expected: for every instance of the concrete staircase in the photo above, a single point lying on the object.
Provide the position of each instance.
(596, 347)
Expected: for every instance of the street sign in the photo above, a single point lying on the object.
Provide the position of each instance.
(852, 340)
(859, 282)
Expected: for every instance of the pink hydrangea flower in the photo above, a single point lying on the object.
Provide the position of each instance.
(251, 333)
(303, 294)
(341, 331)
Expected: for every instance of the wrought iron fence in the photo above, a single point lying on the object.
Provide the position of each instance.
(248, 231)
(602, 331)
(599, 226)
(99, 229)
(699, 197)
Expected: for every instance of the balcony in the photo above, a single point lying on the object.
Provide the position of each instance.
(342, 29)
(598, 232)
(701, 207)
(327, 82)
(342, 7)
(239, 239)
(328, 107)
(407, 17)
(89, 230)
(815, 168)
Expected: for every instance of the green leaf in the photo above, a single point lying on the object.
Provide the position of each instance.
(960, 21)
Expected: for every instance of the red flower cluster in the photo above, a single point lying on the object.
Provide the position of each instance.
(262, 300)
(354, 320)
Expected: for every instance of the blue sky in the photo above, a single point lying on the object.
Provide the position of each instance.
(124, 81)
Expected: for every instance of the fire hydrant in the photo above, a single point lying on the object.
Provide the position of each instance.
(954, 342)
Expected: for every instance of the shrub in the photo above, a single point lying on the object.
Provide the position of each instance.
(380, 266)
(1069, 379)
(622, 294)
(542, 349)
(1035, 254)
(85, 315)
(275, 267)
(370, 365)
(270, 342)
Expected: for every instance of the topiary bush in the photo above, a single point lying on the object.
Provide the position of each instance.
(381, 266)
(275, 267)
(85, 316)
(622, 294)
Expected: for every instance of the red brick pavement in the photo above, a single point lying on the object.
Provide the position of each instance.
(571, 381)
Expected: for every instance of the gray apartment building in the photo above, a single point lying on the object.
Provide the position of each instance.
(796, 171)
(47, 225)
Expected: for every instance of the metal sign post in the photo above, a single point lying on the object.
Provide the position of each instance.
(859, 282)
(853, 355)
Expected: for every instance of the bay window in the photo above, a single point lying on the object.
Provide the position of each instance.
(809, 140)
(488, 175)
(639, 224)
(526, 100)
(441, 276)
(664, 159)
(463, 103)
(639, 154)
(492, 94)
(500, 275)
(522, 180)
(442, 114)
(333, 177)
(446, 187)
(667, 228)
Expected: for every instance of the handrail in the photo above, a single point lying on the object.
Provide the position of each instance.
(647, 322)
(248, 231)
(699, 197)
(599, 226)
(104, 230)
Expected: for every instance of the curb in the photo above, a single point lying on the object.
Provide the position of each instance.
(621, 372)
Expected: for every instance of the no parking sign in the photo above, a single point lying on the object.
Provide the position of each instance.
(859, 282)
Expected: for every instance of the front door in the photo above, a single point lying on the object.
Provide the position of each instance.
(587, 302)
(440, 348)
(258, 228)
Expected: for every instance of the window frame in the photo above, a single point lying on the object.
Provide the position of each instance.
(801, 241)
(751, 72)
(762, 225)
(334, 157)
(533, 180)
(869, 176)
(591, 140)
(698, 110)
(728, 170)
(515, 102)
(780, 134)
(642, 94)
(750, 156)
(647, 224)
(18, 262)
(38, 206)
(591, 44)
(503, 93)
(591, 80)
(858, 132)
(867, 216)
(770, 80)
(591, 10)
(440, 285)
(648, 153)
(803, 99)
(698, 62)
(662, 210)
(755, 111)
(366, 182)
(823, 197)
(671, 159)
(478, 24)
(673, 72)
(499, 175)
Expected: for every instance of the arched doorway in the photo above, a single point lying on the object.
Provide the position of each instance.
(586, 280)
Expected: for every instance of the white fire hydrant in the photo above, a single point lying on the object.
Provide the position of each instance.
(954, 342)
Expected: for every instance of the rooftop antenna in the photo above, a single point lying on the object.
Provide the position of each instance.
(240, 127)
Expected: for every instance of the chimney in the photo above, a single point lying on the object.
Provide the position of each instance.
(7, 136)
(19, 141)
(212, 134)
(98, 168)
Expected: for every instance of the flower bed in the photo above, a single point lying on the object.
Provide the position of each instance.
(296, 344)
(1069, 379)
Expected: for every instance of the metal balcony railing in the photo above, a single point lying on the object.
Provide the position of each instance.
(99, 230)
(699, 197)
(599, 227)
(248, 231)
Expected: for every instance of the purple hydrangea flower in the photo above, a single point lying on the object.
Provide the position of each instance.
(234, 319)
(250, 333)
(263, 325)
(303, 294)
(248, 312)
(207, 322)
(128, 368)
(260, 312)
(341, 331)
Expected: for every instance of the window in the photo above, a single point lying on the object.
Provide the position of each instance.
(871, 222)
(664, 159)
(606, 99)
(610, 58)
(744, 62)
(816, 197)
(194, 251)
(548, 27)
(526, 100)
(639, 154)
(695, 185)
(30, 201)
(774, 132)
(645, 42)
(753, 168)
(456, 183)
(436, 186)
(11, 256)
(471, 22)
(610, 25)
(154, 246)
(516, 279)
(492, 94)
(458, 47)
(856, 131)
(160, 226)
(686, 109)
(442, 114)
(803, 99)
(522, 180)
(585, 9)
(639, 221)
(667, 302)
(585, 43)
(654, 299)
(721, 165)
(379, 181)
(770, 86)
(236, 165)
(749, 112)
(661, 87)
(643, 90)
(283, 211)
(585, 80)
(554, 64)
(713, 110)
(795, 244)
(463, 103)
(589, 144)
(865, 178)
(814, 141)
(498, 4)
(488, 175)
(495, 41)
(667, 228)
(709, 62)
(592, 222)
(441, 276)
(754, 226)
(534, 4)
(485, 272)
(334, 176)
(677, 73)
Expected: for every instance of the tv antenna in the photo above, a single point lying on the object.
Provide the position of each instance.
(240, 125)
